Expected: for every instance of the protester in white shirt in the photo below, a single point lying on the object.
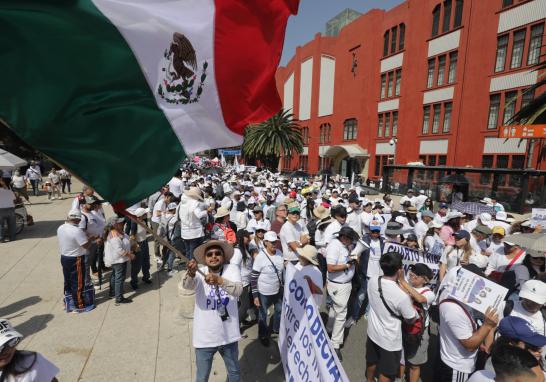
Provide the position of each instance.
(420, 199)
(217, 287)
(7, 212)
(19, 185)
(176, 184)
(339, 213)
(409, 197)
(421, 227)
(293, 235)
(258, 220)
(117, 252)
(389, 306)
(308, 266)
(192, 211)
(354, 219)
(34, 175)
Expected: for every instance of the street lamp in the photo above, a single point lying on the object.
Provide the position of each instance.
(393, 142)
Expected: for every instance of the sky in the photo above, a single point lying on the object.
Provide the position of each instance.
(313, 15)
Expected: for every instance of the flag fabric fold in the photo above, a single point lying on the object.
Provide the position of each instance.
(120, 91)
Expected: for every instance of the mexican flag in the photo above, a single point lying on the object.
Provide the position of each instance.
(119, 92)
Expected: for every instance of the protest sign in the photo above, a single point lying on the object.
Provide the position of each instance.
(477, 292)
(538, 217)
(306, 352)
(413, 256)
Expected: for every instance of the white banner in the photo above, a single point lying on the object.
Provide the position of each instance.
(538, 217)
(413, 256)
(306, 352)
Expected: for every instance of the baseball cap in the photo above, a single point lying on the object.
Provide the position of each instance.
(435, 224)
(271, 236)
(462, 234)
(498, 230)
(7, 332)
(115, 220)
(75, 214)
(519, 329)
(261, 226)
(375, 226)
(534, 290)
(421, 269)
(428, 213)
(172, 206)
(484, 230)
(293, 194)
(348, 232)
(444, 205)
(141, 212)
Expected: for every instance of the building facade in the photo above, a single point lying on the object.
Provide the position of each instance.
(428, 81)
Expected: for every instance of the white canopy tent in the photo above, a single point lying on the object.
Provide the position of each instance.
(8, 161)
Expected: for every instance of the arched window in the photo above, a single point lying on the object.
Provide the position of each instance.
(447, 16)
(458, 13)
(394, 37)
(350, 127)
(401, 36)
(436, 20)
(386, 44)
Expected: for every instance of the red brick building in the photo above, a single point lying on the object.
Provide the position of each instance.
(437, 76)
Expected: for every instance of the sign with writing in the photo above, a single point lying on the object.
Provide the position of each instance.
(477, 292)
(538, 217)
(306, 352)
(522, 131)
(231, 152)
(413, 256)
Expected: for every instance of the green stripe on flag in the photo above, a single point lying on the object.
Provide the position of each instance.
(71, 87)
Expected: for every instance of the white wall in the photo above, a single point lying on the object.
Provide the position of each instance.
(306, 88)
(288, 103)
(326, 89)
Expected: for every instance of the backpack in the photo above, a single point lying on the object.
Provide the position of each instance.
(413, 333)
(229, 233)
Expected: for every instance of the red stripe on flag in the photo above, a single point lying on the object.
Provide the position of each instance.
(248, 42)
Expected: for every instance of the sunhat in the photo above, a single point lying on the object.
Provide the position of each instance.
(141, 212)
(309, 253)
(199, 252)
(321, 212)
(221, 212)
(194, 193)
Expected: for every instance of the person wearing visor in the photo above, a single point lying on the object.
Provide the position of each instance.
(217, 287)
(18, 365)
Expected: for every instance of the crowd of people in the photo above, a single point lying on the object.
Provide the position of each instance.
(236, 233)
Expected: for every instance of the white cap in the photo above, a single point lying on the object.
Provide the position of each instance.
(172, 206)
(7, 332)
(435, 224)
(75, 214)
(271, 236)
(485, 217)
(534, 290)
(140, 212)
(261, 225)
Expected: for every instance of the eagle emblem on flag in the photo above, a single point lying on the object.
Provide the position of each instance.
(179, 80)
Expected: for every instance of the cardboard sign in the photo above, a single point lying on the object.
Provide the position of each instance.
(522, 131)
(538, 217)
(477, 292)
(413, 256)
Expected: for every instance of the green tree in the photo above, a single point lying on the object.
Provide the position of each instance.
(279, 136)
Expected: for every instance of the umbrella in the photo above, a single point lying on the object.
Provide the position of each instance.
(472, 208)
(299, 174)
(212, 170)
(530, 241)
(8, 161)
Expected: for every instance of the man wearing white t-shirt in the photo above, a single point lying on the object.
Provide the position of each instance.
(389, 306)
(217, 287)
(176, 184)
(293, 235)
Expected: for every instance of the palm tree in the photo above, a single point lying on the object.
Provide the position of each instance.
(279, 136)
(534, 113)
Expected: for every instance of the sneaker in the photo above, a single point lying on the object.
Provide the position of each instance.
(350, 322)
(123, 301)
(147, 281)
(172, 272)
(338, 352)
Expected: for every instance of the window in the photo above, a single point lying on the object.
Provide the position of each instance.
(507, 3)
(380, 125)
(452, 67)
(394, 36)
(517, 49)
(305, 135)
(398, 82)
(526, 98)
(447, 117)
(387, 125)
(430, 77)
(487, 162)
(436, 118)
(494, 107)
(287, 163)
(386, 44)
(383, 85)
(458, 13)
(535, 44)
(436, 20)
(442, 160)
(304, 161)
(325, 133)
(402, 37)
(502, 162)
(377, 171)
(394, 123)
(441, 70)
(509, 106)
(389, 89)
(350, 129)
(502, 48)
(447, 15)
(426, 119)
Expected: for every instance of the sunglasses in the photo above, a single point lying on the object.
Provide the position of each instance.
(10, 344)
(214, 253)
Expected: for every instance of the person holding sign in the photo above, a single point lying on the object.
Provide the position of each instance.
(216, 321)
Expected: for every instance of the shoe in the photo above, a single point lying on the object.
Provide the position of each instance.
(147, 281)
(265, 341)
(350, 322)
(123, 301)
(338, 352)
(134, 286)
(172, 272)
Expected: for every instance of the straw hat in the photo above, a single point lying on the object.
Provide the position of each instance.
(321, 212)
(199, 252)
(194, 193)
(309, 253)
(221, 212)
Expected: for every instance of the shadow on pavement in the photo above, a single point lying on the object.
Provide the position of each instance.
(255, 360)
(15, 307)
(34, 324)
(40, 230)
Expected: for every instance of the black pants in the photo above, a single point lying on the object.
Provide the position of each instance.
(96, 257)
(66, 185)
(444, 373)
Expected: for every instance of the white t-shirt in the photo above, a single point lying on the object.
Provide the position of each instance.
(41, 371)
(316, 277)
(245, 267)
(71, 239)
(455, 325)
(158, 209)
(374, 269)
(176, 186)
(420, 229)
(208, 328)
(354, 221)
(92, 223)
(290, 233)
(482, 376)
(384, 329)
(536, 320)
(18, 181)
(268, 281)
(337, 254)
(430, 296)
(333, 228)
(115, 247)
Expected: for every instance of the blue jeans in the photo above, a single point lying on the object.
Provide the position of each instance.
(265, 303)
(34, 183)
(190, 245)
(230, 355)
(7, 215)
(117, 279)
(360, 296)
